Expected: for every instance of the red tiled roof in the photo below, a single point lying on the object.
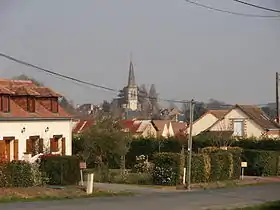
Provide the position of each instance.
(83, 125)
(131, 125)
(27, 88)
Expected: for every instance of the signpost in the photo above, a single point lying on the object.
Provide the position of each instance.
(243, 165)
(83, 165)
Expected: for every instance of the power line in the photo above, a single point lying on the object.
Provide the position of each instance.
(78, 81)
(231, 12)
(257, 6)
(56, 74)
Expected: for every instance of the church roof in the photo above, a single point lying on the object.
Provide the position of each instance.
(131, 76)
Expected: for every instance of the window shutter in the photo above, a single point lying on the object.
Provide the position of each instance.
(5, 103)
(41, 145)
(54, 145)
(15, 149)
(29, 146)
(63, 146)
(2, 150)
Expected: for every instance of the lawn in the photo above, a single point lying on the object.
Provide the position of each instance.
(266, 206)
(48, 193)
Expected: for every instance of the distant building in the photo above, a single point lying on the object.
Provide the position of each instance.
(131, 92)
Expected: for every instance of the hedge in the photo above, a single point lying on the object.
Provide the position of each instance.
(61, 170)
(20, 174)
(261, 163)
(200, 169)
(166, 169)
(236, 153)
(221, 166)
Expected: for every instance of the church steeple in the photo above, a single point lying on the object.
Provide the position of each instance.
(131, 77)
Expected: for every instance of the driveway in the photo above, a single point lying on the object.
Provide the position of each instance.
(198, 200)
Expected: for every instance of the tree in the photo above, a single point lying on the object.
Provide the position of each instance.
(104, 141)
(25, 77)
(106, 106)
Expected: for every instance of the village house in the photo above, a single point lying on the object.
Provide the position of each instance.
(243, 121)
(155, 128)
(32, 121)
(207, 120)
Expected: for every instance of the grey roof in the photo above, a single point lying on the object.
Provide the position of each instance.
(131, 77)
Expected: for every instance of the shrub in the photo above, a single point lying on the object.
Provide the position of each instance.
(166, 170)
(20, 174)
(201, 168)
(236, 153)
(133, 178)
(4, 176)
(143, 166)
(221, 166)
(61, 170)
(261, 162)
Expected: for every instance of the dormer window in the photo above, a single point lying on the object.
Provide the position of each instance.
(31, 104)
(54, 105)
(5, 103)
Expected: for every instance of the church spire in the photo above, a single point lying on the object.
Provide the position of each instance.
(131, 77)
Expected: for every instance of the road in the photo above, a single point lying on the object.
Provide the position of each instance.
(197, 200)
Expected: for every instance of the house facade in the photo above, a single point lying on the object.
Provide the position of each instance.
(247, 121)
(207, 120)
(154, 128)
(32, 121)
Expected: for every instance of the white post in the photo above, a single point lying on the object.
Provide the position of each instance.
(184, 177)
(82, 177)
(242, 173)
(90, 184)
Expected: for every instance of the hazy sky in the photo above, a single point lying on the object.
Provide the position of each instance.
(186, 51)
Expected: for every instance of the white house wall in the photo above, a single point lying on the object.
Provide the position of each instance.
(37, 128)
(203, 123)
(253, 129)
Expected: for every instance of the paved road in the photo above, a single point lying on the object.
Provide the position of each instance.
(199, 200)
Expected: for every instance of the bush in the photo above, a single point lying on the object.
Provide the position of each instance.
(221, 166)
(236, 153)
(20, 174)
(201, 168)
(261, 163)
(166, 169)
(133, 178)
(61, 170)
(4, 175)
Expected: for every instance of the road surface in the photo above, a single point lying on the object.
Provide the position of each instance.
(208, 199)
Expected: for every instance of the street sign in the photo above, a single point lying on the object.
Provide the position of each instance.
(244, 164)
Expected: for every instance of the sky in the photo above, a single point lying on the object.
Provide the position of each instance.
(188, 52)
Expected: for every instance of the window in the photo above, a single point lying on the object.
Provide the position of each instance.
(5, 103)
(31, 104)
(238, 127)
(54, 105)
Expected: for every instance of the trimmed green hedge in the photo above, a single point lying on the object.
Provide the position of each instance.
(166, 169)
(20, 174)
(236, 153)
(221, 166)
(261, 163)
(61, 170)
(201, 168)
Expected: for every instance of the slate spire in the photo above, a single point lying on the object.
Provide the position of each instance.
(131, 77)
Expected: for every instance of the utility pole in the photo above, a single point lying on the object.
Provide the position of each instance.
(190, 145)
(277, 97)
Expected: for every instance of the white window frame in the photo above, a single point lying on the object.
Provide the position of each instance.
(241, 121)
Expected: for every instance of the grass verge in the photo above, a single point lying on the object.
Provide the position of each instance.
(9, 198)
(266, 206)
